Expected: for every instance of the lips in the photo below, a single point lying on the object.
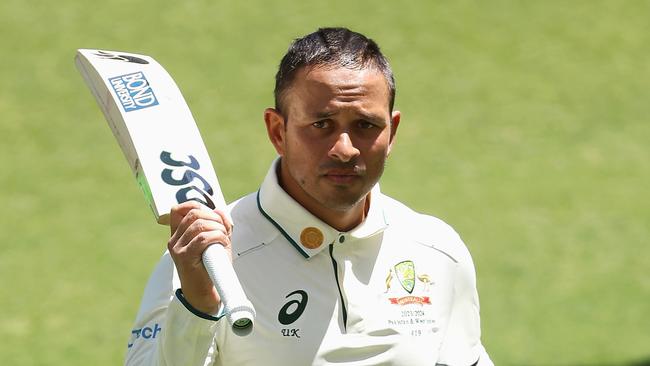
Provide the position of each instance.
(341, 172)
(342, 176)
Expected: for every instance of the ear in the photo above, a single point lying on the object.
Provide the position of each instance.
(394, 123)
(275, 129)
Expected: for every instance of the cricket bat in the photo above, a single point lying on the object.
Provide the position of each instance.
(161, 142)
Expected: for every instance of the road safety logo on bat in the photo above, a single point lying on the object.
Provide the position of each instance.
(133, 91)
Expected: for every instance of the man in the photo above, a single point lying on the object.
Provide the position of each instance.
(338, 272)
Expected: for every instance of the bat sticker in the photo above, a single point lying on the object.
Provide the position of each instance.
(125, 58)
(188, 177)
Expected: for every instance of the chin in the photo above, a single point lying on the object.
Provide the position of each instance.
(342, 202)
(341, 207)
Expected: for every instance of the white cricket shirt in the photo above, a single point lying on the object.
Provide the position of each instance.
(399, 289)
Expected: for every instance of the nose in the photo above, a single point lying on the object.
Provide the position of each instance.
(343, 148)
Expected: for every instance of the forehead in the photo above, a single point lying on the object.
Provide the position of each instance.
(316, 87)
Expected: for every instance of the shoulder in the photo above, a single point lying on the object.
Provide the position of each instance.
(243, 207)
(425, 229)
(250, 228)
(436, 234)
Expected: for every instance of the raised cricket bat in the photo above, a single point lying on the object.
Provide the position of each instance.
(161, 142)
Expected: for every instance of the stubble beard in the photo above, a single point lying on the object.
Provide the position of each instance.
(340, 198)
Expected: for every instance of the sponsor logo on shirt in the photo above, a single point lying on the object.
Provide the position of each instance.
(291, 311)
(147, 333)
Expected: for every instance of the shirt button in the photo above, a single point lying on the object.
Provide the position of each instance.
(341, 238)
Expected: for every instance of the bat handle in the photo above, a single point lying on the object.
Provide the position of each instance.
(237, 308)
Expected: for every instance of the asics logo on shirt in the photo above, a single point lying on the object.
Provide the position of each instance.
(294, 308)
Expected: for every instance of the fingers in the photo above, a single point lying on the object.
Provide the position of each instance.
(179, 216)
(178, 212)
(225, 220)
(197, 236)
(194, 229)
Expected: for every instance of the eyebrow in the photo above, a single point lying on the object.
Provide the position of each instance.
(365, 116)
(321, 115)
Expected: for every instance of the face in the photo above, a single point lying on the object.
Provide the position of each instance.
(334, 135)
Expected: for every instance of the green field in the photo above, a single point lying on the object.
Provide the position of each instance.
(525, 126)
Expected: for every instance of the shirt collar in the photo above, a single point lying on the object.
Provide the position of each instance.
(307, 233)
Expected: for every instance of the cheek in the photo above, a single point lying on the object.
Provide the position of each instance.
(377, 150)
(305, 147)
(302, 158)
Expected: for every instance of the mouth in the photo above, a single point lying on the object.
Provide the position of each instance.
(342, 176)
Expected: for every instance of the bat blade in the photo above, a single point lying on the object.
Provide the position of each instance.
(154, 128)
(162, 144)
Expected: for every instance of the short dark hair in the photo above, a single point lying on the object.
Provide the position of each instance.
(333, 47)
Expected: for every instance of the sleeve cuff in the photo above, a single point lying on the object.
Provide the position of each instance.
(200, 314)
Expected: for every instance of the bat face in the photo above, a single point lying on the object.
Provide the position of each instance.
(160, 140)
(154, 128)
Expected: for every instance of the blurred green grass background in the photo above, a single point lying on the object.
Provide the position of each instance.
(524, 126)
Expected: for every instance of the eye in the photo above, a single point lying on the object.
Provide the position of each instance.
(365, 125)
(321, 124)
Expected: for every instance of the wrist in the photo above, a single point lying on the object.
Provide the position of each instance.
(201, 314)
(202, 297)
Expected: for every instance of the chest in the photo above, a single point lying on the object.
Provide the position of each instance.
(376, 301)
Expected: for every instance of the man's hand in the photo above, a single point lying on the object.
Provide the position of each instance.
(193, 229)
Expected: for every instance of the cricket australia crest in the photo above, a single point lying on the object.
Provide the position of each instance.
(408, 305)
(405, 272)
